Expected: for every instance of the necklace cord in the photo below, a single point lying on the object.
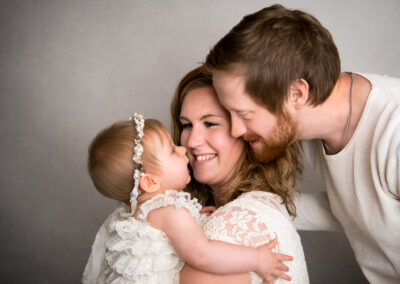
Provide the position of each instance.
(346, 131)
(350, 111)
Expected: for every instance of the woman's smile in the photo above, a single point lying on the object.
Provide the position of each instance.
(204, 157)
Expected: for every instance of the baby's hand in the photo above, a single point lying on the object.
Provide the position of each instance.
(208, 210)
(270, 263)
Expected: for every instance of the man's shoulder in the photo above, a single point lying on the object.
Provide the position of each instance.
(383, 83)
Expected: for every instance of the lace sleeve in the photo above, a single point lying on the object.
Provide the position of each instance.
(254, 219)
(237, 225)
(239, 222)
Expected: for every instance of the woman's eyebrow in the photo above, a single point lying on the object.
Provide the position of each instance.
(211, 115)
(183, 118)
(203, 117)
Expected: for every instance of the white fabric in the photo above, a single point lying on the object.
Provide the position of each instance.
(254, 219)
(129, 250)
(96, 262)
(363, 185)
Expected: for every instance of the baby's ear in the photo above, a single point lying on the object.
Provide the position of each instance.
(149, 183)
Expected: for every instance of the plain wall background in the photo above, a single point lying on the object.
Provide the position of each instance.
(70, 68)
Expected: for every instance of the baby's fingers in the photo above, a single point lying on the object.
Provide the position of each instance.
(207, 210)
(281, 274)
(283, 257)
(272, 243)
(282, 267)
(269, 280)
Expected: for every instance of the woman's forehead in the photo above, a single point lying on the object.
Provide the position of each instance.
(202, 102)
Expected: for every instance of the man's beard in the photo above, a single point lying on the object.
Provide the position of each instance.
(281, 137)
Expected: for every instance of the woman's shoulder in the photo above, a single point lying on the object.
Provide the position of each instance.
(262, 198)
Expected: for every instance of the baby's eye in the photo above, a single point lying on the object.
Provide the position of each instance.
(210, 124)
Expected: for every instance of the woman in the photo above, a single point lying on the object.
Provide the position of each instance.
(254, 201)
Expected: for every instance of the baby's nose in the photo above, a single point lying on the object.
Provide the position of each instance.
(182, 150)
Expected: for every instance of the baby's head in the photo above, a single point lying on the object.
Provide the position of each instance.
(111, 166)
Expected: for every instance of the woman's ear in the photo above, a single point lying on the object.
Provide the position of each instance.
(298, 93)
(149, 183)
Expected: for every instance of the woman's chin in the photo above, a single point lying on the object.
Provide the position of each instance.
(203, 176)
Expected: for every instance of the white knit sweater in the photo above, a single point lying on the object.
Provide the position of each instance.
(363, 185)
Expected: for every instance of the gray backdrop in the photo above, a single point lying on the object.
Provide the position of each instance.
(69, 68)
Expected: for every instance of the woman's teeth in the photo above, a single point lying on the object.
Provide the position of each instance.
(205, 157)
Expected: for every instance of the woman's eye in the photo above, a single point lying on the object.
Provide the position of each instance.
(210, 124)
(186, 125)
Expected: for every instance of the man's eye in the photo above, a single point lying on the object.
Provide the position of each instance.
(244, 115)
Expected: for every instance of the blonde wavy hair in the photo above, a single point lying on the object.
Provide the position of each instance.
(278, 176)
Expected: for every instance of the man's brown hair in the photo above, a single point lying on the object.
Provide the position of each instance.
(272, 48)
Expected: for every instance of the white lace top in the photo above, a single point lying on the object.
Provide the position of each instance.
(253, 219)
(139, 253)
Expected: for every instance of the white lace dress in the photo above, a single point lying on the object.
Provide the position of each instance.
(253, 219)
(139, 253)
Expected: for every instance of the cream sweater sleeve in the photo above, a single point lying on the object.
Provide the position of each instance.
(314, 213)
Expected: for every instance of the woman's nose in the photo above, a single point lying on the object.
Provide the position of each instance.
(195, 138)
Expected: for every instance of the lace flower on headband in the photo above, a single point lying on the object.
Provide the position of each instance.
(138, 122)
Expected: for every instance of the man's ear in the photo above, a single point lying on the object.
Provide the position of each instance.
(149, 183)
(298, 93)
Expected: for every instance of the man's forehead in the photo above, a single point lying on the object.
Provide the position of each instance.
(228, 78)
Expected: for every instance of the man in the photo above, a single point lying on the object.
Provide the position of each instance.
(278, 74)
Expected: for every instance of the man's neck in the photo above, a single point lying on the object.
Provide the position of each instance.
(329, 120)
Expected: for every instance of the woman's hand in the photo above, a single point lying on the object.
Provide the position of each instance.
(271, 264)
(208, 210)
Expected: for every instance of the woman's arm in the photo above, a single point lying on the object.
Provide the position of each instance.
(194, 247)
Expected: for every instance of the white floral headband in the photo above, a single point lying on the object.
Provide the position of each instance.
(137, 156)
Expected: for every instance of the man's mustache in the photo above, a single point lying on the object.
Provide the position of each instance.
(251, 137)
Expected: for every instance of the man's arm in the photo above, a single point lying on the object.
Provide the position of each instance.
(314, 213)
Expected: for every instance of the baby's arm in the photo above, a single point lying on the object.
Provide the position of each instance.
(196, 249)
